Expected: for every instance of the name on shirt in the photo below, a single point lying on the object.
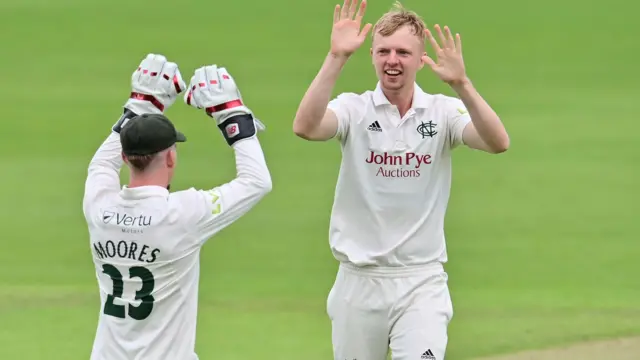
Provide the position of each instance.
(125, 250)
(410, 159)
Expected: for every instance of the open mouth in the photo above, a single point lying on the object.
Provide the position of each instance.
(393, 72)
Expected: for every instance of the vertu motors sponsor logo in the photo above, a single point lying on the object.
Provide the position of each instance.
(117, 218)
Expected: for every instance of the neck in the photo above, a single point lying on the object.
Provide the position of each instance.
(401, 98)
(141, 179)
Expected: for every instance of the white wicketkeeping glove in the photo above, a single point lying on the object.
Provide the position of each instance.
(214, 89)
(155, 86)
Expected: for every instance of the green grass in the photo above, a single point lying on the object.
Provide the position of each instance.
(543, 240)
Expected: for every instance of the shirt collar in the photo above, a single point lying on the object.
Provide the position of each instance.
(420, 98)
(142, 192)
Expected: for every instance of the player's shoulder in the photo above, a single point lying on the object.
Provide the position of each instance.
(186, 198)
(355, 98)
(444, 102)
(193, 199)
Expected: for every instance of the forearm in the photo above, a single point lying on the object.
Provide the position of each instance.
(230, 201)
(485, 120)
(104, 169)
(253, 175)
(314, 103)
(108, 156)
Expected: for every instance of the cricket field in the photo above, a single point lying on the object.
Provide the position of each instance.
(543, 240)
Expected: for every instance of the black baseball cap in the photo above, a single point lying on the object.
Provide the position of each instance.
(148, 134)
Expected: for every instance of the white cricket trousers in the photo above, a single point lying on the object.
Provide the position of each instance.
(404, 310)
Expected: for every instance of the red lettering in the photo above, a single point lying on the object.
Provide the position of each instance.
(384, 159)
(397, 173)
(409, 159)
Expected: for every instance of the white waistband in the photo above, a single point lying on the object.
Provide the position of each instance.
(393, 271)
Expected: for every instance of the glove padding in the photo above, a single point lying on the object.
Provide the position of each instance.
(155, 86)
(214, 89)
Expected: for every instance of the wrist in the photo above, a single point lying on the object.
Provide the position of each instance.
(337, 59)
(127, 115)
(238, 127)
(143, 107)
(462, 85)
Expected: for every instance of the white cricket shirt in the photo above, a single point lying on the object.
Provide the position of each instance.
(145, 244)
(395, 176)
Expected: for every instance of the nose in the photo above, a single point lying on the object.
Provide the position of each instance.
(393, 58)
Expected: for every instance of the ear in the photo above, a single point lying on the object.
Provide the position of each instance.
(171, 158)
(124, 158)
(422, 63)
(371, 51)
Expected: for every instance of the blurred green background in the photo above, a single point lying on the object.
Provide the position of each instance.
(543, 240)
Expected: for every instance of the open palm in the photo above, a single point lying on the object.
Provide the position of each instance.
(346, 36)
(450, 65)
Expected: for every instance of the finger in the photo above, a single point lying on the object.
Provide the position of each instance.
(228, 84)
(344, 10)
(212, 80)
(199, 77)
(443, 41)
(353, 8)
(135, 77)
(459, 43)
(429, 61)
(432, 40)
(178, 82)
(361, 11)
(172, 77)
(145, 65)
(365, 30)
(188, 96)
(450, 43)
(336, 14)
(155, 66)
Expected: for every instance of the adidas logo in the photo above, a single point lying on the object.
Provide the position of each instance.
(428, 355)
(375, 126)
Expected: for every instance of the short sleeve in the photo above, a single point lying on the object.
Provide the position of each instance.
(457, 119)
(344, 107)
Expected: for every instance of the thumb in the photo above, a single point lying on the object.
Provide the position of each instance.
(429, 61)
(365, 30)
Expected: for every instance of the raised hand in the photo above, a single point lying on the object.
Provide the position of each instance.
(450, 65)
(346, 35)
(155, 85)
(213, 89)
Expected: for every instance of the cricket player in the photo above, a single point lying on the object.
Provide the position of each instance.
(386, 227)
(146, 241)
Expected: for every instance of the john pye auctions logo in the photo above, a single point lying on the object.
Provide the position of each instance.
(410, 159)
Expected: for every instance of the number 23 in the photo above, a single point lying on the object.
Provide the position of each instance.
(139, 312)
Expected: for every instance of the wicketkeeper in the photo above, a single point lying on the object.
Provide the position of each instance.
(146, 241)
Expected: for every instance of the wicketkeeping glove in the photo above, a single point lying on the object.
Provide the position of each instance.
(213, 89)
(155, 86)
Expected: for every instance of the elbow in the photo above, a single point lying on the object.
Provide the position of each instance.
(501, 146)
(265, 186)
(301, 130)
(262, 185)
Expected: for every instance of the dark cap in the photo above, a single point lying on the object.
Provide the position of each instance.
(148, 134)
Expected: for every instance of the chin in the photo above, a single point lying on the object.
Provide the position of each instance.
(396, 85)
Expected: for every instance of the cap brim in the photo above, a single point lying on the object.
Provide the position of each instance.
(180, 137)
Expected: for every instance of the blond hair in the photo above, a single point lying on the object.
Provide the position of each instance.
(396, 18)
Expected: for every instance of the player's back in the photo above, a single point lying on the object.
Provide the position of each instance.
(145, 247)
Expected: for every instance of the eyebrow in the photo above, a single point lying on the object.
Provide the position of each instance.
(397, 49)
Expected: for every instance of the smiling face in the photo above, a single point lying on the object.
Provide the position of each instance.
(397, 58)
(397, 48)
